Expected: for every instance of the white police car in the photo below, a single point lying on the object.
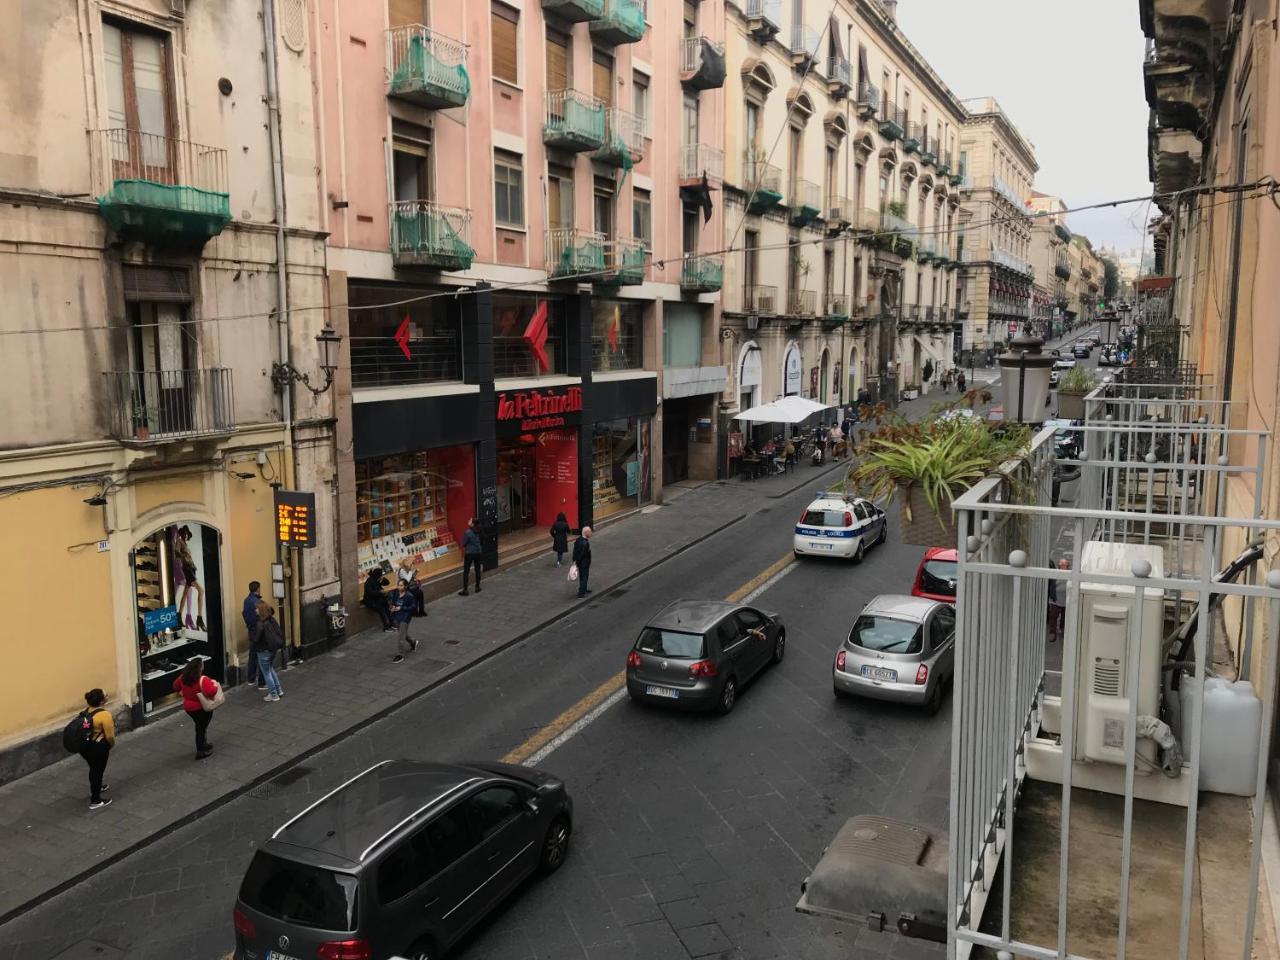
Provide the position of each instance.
(837, 526)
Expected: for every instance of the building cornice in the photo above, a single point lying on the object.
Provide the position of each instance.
(1012, 134)
(888, 31)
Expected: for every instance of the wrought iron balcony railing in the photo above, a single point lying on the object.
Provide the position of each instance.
(426, 68)
(160, 406)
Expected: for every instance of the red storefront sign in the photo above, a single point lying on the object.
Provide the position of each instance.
(539, 409)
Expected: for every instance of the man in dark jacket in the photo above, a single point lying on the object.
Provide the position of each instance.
(471, 550)
(375, 599)
(249, 613)
(582, 558)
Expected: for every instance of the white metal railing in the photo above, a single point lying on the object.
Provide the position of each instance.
(624, 130)
(762, 176)
(804, 40)
(698, 158)
(570, 112)
(417, 54)
(424, 229)
(804, 194)
(1009, 260)
(692, 52)
(119, 154)
(840, 70)
(572, 252)
(768, 10)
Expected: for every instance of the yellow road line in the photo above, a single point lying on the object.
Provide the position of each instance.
(615, 683)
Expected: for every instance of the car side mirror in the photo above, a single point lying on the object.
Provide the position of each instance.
(532, 804)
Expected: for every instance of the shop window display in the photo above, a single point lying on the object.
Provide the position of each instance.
(511, 355)
(414, 505)
(616, 335)
(178, 596)
(619, 466)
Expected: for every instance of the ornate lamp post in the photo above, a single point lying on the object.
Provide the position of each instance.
(1025, 372)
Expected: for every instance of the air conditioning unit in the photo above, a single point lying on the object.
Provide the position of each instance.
(178, 9)
(1108, 616)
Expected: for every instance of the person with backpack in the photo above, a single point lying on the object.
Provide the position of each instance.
(268, 640)
(194, 685)
(560, 537)
(92, 734)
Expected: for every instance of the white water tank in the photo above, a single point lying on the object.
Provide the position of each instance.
(1230, 731)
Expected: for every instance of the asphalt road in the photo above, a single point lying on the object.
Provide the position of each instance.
(693, 832)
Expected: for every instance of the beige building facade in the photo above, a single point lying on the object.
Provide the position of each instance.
(1051, 262)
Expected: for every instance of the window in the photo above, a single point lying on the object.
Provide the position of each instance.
(616, 340)
(306, 895)
(886, 634)
(671, 643)
(137, 81)
(749, 620)
(411, 161)
(405, 868)
(492, 809)
(727, 632)
(559, 60)
(511, 357)
(689, 120)
(943, 627)
(823, 518)
(751, 257)
(681, 335)
(433, 339)
(642, 216)
(559, 197)
(602, 76)
(860, 511)
(753, 130)
(640, 101)
(603, 207)
(404, 13)
(864, 73)
(690, 228)
(506, 44)
(451, 838)
(508, 189)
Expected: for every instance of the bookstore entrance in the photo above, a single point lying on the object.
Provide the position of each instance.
(537, 480)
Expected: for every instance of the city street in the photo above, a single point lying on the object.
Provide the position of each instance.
(693, 832)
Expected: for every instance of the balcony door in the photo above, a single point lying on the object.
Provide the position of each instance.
(559, 60)
(411, 161)
(162, 349)
(602, 77)
(136, 75)
(603, 207)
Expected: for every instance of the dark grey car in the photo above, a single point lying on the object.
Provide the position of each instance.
(400, 860)
(698, 653)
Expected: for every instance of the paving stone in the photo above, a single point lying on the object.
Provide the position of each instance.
(705, 940)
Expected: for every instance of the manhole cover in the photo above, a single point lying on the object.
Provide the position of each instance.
(292, 775)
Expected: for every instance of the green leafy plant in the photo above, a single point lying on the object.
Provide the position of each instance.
(898, 209)
(1077, 380)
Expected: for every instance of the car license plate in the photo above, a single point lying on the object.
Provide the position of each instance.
(277, 955)
(819, 545)
(880, 673)
(663, 692)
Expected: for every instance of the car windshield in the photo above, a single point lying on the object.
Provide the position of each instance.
(886, 635)
(939, 577)
(300, 893)
(671, 643)
(823, 518)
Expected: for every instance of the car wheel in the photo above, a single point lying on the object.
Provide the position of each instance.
(857, 554)
(728, 696)
(934, 703)
(840, 694)
(555, 846)
(884, 532)
(423, 950)
(780, 646)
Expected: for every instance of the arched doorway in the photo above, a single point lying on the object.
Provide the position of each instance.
(855, 374)
(792, 370)
(749, 376)
(824, 376)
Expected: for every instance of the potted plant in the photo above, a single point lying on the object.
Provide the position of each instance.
(142, 417)
(1072, 388)
(926, 465)
(898, 208)
(911, 391)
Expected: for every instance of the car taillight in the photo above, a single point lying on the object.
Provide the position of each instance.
(633, 659)
(848, 519)
(345, 950)
(840, 661)
(922, 674)
(244, 926)
(702, 668)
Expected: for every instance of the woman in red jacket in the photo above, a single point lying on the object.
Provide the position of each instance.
(190, 683)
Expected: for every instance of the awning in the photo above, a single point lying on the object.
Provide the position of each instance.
(785, 410)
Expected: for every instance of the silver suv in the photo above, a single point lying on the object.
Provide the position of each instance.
(402, 859)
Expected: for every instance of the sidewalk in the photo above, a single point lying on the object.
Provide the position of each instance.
(50, 838)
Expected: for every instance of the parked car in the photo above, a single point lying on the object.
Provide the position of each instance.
(936, 577)
(901, 649)
(1107, 358)
(404, 858)
(699, 653)
(1064, 363)
(1081, 351)
(837, 526)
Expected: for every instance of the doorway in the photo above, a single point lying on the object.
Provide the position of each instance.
(517, 485)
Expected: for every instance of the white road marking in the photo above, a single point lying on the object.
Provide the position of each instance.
(750, 597)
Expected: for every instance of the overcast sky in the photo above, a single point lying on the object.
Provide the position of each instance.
(1070, 78)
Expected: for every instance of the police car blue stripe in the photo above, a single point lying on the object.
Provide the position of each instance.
(821, 532)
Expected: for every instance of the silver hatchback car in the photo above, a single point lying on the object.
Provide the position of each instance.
(901, 649)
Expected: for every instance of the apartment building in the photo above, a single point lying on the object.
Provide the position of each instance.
(1084, 289)
(161, 300)
(998, 274)
(533, 327)
(841, 200)
(1051, 262)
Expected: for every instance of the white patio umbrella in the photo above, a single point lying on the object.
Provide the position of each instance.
(783, 410)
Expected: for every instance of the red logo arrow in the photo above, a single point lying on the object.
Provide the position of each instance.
(402, 337)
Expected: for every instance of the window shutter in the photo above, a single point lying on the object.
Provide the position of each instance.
(403, 13)
(504, 43)
(171, 284)
(558, 65)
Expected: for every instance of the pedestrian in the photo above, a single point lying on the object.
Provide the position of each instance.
(191, 683)
(472, 549)
(409, 574)
(1058, 604)
(835, 438)
(960, 382)
(268, 640)
(582, 560)
(375, 598)
(846, 426)
(248, 612)
(100, 737)
(560, 537)
(403, 608)
(946, 381)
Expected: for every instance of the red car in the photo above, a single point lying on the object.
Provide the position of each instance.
(936, 578)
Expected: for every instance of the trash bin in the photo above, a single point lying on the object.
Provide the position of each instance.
(336, 620)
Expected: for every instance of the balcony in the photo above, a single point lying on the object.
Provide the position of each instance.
(943, 164)
(623, 139)
(1063, 233)
(928, 147)
(839, 213)
(897, 235)
(163, 406)
(893, 122)
(960, 178)
(761, 300)
(621, 22)
(159, 190)
(573, 253)
(805, 200)
(697, 160)
(925, 250)
(623, 264)
(805, 42)
(1062, 268)
(839, 77)
(868, 100)
(764, 184)
(426, 68)
(575, 11)
(764, 19)
(802, 303)
(911, 136)
(701, 274)
(574, 121)
(425, 234)
(835, 310)
(1086, 271)
(1010, 262)
(701, 63)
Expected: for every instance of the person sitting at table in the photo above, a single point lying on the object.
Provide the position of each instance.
(789, 453)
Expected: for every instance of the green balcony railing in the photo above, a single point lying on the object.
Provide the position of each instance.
(425, 234)
(573, 121)
(804, 197)
(701, 274)
(911, 136)
(157, 189)
(621, 22)
(623, 139)
(573, 253)
(763, 185)
(426, 68)
(623, 263)
(575, 11)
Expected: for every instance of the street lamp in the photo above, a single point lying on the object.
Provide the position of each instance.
(283, 374)
(1025, 372)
